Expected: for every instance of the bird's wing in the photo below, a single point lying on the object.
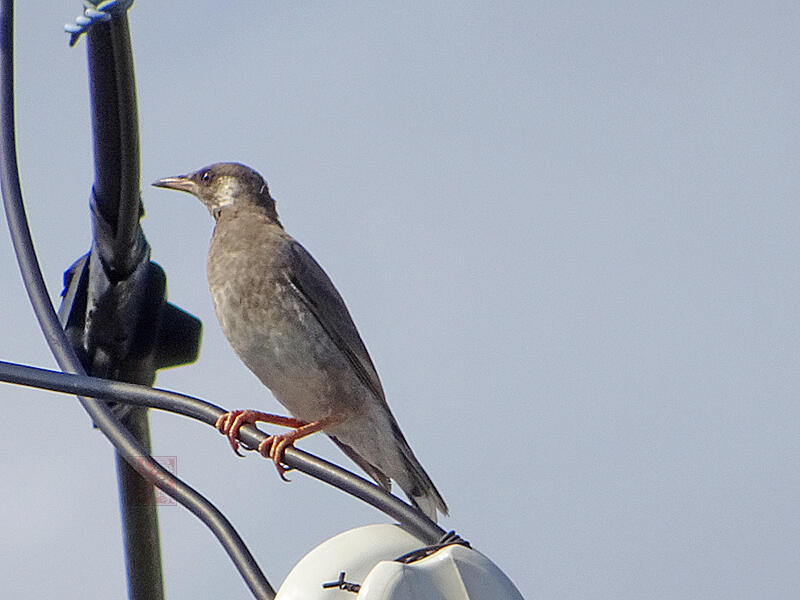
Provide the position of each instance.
(373, 471)
(316, 291)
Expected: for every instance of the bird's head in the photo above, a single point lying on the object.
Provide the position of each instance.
(224, 184)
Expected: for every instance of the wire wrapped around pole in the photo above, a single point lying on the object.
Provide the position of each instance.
(94, 13)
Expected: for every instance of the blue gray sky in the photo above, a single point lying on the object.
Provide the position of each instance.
(568, 234)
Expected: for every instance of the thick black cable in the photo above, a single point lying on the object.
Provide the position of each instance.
(65, 356)
(201, 410)
(141, 395)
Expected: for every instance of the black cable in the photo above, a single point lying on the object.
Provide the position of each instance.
(196, 408)
(79, 383)
(61, 348)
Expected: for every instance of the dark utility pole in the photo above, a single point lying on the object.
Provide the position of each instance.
(114, 308)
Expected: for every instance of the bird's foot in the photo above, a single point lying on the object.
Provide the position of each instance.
(229, 424)
(274, 447)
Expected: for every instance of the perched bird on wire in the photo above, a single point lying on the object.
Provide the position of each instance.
(289, 325)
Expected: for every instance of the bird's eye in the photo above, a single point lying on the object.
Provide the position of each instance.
(206, 176)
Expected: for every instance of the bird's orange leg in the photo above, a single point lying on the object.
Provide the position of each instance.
(230, 423)
(275, 446)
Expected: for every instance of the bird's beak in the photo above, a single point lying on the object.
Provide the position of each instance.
(183, 183)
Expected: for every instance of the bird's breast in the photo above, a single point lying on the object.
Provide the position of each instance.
(275, 335)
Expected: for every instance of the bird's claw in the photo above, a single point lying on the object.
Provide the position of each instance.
(273, 448)
(229, 424)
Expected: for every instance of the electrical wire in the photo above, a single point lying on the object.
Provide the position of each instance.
(201, 410)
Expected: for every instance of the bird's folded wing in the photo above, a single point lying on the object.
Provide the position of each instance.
(317, 292)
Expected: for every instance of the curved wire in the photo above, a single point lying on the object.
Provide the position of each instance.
(35, 286)
(201, 410)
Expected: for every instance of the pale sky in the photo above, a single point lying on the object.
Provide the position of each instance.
(568, 235)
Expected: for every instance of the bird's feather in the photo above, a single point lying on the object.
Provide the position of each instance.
(379, 476)
(317, 292)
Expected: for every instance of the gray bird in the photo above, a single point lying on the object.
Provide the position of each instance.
(289, 325)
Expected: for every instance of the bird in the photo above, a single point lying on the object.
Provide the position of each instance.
(289, 325)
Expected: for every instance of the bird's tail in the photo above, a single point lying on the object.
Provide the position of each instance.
(399, 463)
(414, 481)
